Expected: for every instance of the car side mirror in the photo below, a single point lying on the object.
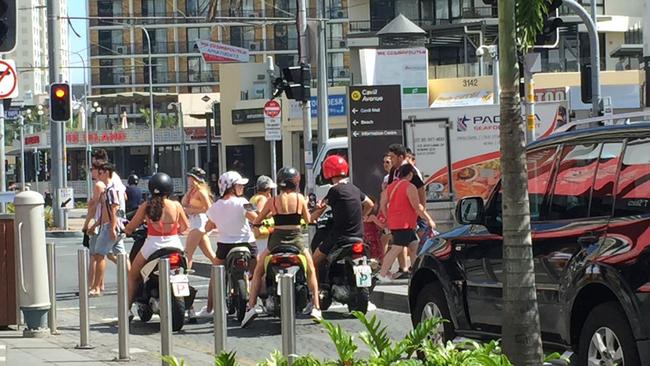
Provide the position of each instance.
(470, 210)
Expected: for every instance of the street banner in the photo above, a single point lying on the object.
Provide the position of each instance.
(375, 123)
(407, 67)
(214, 52)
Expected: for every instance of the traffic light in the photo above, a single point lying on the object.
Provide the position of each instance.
(550, 32)
(297, 82)
(7, 25)
(584, 57)
(60, 102)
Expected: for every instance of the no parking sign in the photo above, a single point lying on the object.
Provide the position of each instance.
(8, 79)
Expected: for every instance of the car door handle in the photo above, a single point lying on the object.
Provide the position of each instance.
(588, 239)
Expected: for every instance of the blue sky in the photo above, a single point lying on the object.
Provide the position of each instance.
(77, 8)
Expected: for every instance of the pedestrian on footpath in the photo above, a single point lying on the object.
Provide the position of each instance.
(109, 239)
(93, 216)
(196, 203)
(403, 207)
(264, 189)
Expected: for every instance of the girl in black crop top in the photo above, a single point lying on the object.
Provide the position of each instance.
(287, 210)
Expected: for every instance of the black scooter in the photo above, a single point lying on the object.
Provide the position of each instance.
(237, 264)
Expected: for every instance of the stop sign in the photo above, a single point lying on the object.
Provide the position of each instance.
(272, 109)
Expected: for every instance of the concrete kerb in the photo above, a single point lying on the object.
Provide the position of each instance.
(57, 234)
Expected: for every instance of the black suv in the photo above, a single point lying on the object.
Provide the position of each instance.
(590, 216)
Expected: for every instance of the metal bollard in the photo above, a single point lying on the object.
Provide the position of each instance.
(84, 320)
(122, 307)
(51, 274)
(288, 315)
(165, 308)
(218, 279)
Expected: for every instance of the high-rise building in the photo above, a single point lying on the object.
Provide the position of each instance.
(31, 49)
(119, 52)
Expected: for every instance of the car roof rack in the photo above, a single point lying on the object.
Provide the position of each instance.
(615, 119)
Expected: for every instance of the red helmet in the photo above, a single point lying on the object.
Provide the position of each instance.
(335, 166)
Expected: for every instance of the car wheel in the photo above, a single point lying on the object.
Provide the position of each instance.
(606, 338)
(431, 303)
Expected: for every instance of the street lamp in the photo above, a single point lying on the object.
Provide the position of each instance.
(179, 113)
(95, 109)
(151, 116)
(493, 51)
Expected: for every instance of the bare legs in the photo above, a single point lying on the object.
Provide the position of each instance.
(99, 269)
(200, 239)
(134, 277)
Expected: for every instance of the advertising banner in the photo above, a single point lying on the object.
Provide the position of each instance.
(222, 53)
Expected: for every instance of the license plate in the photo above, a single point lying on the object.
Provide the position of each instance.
(364, 275)
(180, 285)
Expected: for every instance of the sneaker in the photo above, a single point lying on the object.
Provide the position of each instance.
(402, 275)
(316, 314)
(308, 308)
(203, 313)
(250, 315)
(371, 306)
(384, 279)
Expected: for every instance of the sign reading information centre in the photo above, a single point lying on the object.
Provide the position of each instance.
(375, 123)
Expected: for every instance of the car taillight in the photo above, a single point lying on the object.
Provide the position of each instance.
(174, 260)
(357, 248)
(241, 263)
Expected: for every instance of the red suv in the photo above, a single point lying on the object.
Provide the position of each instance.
(590, 216)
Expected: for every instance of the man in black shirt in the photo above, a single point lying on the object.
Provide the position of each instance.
(349, 207)
(134, 194)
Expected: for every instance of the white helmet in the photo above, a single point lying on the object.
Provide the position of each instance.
(229, 179)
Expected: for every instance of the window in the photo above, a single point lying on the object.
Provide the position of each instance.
(574, 180)
(633, 189)
(195, 34)
(540, 167)
(197, 8)
(406, 8)
(198, 70)
(602, 194)
(442, 11)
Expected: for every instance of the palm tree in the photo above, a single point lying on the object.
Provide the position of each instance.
(160, 120)
(519, 23)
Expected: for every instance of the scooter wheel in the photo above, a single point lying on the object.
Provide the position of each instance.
(360, 301)
(144, 313)
(325, 300)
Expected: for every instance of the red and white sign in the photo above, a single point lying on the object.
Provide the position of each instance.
(8, 79)
(272, 121)
(272, 108)
(222, 53)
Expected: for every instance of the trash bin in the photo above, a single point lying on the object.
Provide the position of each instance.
(8, 309)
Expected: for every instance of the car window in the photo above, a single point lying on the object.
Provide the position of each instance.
(540, 165)
(573, 182)
(633, 189)
(602, 194)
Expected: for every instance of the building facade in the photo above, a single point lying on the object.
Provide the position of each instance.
(119, 52)
(31, 54)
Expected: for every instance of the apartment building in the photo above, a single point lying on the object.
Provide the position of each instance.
(119, 52)
(455, 28)
(31, 52)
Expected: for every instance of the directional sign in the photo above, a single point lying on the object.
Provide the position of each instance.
(272, 121)
(8, 79)
(375, 123)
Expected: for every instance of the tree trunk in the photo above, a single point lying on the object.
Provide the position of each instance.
(521, 330)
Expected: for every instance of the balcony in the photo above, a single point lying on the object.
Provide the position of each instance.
(479, 12)
(142, 78)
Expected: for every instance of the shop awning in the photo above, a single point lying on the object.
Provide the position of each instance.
(135, 97)
(628, 50)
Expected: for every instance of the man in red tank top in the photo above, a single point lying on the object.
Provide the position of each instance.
(402, 205)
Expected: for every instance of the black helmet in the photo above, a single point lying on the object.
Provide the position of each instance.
(161, 185)
(288, 177)
(133, 180)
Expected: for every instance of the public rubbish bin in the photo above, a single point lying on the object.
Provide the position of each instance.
(7, 272)
(31, 261)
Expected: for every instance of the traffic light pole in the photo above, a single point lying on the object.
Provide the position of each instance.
(590, 24)
(306, 107)
(56, 136)
(3, 171)
(323, 100)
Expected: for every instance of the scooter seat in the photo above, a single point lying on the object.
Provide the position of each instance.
(238, 252)
(286, 249)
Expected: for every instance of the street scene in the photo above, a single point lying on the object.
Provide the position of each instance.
(350, 182)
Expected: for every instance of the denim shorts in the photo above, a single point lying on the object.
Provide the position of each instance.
(102, 244)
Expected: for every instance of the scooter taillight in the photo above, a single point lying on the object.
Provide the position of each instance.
(175, 260)
(285, 261)
(357, 248)
(240, 263)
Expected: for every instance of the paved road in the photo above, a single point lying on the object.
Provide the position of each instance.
(195, 342)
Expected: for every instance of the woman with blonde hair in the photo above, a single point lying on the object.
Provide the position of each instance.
(196, 203)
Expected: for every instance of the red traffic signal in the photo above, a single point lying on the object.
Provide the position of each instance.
(60, 102)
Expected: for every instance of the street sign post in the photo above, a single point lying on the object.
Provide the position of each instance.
(375, 123)
(67, 198)
(272, 121)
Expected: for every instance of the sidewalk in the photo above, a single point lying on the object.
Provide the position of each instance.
(76, 218)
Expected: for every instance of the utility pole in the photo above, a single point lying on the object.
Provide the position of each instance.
(270, 71)
(56, 136)
(646, 52)
(306, 107)
(323, 99)
(3, 171)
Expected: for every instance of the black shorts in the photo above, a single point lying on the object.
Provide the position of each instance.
(224, 248)
(403, 237)
(326, 246)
